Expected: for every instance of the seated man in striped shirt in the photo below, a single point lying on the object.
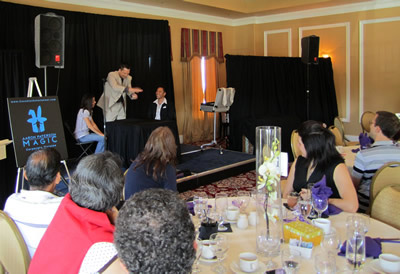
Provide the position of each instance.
(385, 130)
(32, 210)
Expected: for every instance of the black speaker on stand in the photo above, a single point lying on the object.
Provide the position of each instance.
(49, 42)
(309, 55)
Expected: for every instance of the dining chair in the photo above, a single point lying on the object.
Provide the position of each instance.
(386, 206)
(84, 146)
(294, 142)
(338, 136)
(366, 120)
(340, 126)
(388, 174)
(14, 255)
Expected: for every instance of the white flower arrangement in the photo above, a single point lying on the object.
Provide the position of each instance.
(269, 172)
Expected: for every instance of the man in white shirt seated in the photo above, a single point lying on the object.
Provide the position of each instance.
(32, 210)
(160, 109)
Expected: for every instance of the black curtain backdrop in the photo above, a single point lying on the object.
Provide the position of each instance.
(94, 46)
(268, 87)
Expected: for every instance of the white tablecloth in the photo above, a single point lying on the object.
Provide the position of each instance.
(245, 241)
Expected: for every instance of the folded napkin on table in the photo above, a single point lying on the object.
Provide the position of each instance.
(373, 247)
(320, 190)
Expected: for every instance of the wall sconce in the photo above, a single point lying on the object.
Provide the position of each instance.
(325, 56)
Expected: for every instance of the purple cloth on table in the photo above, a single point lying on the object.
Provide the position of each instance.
(373, 247)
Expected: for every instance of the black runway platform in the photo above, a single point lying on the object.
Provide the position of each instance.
(197, 168)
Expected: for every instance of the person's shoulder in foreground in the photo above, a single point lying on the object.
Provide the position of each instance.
(154, 233)
(85, 217)
(33, 209)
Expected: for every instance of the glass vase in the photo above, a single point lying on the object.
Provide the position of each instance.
(269, 202)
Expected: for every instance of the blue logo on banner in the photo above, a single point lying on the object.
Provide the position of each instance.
(37, 120)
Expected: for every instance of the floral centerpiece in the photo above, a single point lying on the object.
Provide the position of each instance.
(269, 203)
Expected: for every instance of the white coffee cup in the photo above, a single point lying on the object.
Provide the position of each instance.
(248, 262)
(232, 213)
(207, 250)
(389, 262)
(324, 224)
(253, 218)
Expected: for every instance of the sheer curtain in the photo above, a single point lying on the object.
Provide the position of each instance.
(198, 125)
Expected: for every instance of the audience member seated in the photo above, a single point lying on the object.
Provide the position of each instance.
(85, 217)
(154, 233)
(160, 109)
(319, 157)
(385, 130)
(155, 165)
(32, 210)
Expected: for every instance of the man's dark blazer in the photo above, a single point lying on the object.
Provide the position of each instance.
(167, 111)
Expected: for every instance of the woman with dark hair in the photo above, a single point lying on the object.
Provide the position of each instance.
(319, 157)
(84, 123)
(155, 165)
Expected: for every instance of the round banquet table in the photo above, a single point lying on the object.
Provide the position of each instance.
(245, 241)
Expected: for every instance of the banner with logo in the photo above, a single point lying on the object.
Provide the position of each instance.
(36, 123)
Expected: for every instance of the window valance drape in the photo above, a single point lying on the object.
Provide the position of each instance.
(201, 43)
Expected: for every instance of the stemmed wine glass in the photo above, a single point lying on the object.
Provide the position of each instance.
(221, 203)
(243, 199)
(331, 241)
(320, 205)
(220, 246)
(199, 249)
(312, 214)
(269, 245)
(291, 260)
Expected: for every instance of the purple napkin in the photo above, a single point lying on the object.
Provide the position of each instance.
(320, 190)
(332, 210)
(365, 141)
(373, 247)
(190, 207)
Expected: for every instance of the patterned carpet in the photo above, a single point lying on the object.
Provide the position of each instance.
(245, 181)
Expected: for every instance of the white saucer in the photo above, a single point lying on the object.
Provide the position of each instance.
(236, 269)
(231, 221)
(376, 267)
(213, 260)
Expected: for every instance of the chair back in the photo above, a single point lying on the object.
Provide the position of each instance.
(337, 122)
(14, 255)
(366, 119)
(294, 142)
(386, 206)
(388, 174)
(338, 136)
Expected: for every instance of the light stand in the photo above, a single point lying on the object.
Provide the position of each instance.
(308, 91)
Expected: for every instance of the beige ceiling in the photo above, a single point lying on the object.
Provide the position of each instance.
(236, 9)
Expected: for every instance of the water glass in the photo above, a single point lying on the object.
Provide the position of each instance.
(358, 220)
(291, 260)
(312, 214)
(320, 205)
(199, 249)
(220, 246)
(325, 263)
(221, 204)
(269, 247)
(305, 208)
(331, 241)
(355, 248)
